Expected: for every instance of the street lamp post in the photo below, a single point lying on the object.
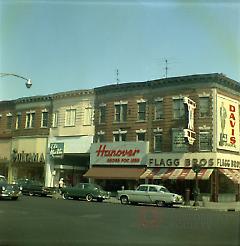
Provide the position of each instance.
(196, 168)
(28, 83)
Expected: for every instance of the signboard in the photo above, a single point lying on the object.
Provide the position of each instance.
(57, 150)
(206, 160)
(178, 141)
(119, 153)
(27, 157)
(227, 124)
(189, 133)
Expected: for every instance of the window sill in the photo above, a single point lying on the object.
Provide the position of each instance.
(141, 121)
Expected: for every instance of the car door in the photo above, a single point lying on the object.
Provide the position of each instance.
(153, 194)
(140, 194)
(76, 191)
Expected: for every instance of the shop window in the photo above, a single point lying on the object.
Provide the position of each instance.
(158, 109)
(55, 119)
(178, 109)
(158, 142)
(30, 120)
(204, 107)
(9, 121)
(120, 112)
(18, 120)
(102, 114)
(205, 140)
(44, 120)
(70, 117)
(142, 111)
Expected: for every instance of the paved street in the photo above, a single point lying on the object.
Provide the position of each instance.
(47, 221)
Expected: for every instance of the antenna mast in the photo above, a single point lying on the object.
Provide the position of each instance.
(117, 76)
(166, 68)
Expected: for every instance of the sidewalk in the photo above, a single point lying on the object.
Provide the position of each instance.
(220, 206)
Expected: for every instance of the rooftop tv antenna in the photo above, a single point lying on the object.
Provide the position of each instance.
(166, 68)
(117, 76)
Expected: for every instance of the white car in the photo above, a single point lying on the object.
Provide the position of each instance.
(149, 193)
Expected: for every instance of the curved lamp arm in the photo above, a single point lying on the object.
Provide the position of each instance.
(28, 83)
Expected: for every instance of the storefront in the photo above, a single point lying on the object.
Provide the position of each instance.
(218, 173)
(68, 158)
(5, 149)
(28, 158)
(117, 165)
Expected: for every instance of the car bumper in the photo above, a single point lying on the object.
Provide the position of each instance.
(10, 194)
(104, 196)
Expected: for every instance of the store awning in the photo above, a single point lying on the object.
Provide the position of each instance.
(232, 174)
(114, 173)
(175, 173)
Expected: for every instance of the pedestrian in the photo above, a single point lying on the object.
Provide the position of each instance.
(61, 183)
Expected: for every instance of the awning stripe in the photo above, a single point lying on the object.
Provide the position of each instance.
(175, 173)
(232, 174)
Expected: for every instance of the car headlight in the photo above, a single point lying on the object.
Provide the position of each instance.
(20, 188)
(3, 188)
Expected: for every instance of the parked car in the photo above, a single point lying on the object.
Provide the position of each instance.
(149, 193)
(33, 187)
(8, 191)
(86, 191)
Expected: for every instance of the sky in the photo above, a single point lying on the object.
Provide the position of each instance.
(72, 45)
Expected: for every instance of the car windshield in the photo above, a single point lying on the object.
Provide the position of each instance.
(3, 180)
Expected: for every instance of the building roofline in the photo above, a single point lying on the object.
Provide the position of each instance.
(218, 78)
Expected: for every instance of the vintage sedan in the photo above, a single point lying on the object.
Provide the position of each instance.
(8, 191)
(86, 191)
(149, 193)
(33, 187)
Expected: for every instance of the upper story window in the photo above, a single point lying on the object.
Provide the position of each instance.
(205, 140)
(102, 113)
(88, 114)
(178, 108)
(30, 119)
(142, 105)
(9, 121)
(158, 109)
(70, 117)
(100, 137)
(44, 119)
(120, 111)
(18, 120)
(204, 107)
(55, 119)
(158, 140)
(119, 136)
(141, 135)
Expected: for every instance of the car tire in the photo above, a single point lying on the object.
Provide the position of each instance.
(89, 197)
(65, 196)
(124, 200)
(160, 203)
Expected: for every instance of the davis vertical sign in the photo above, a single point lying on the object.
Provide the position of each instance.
(227, 123)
